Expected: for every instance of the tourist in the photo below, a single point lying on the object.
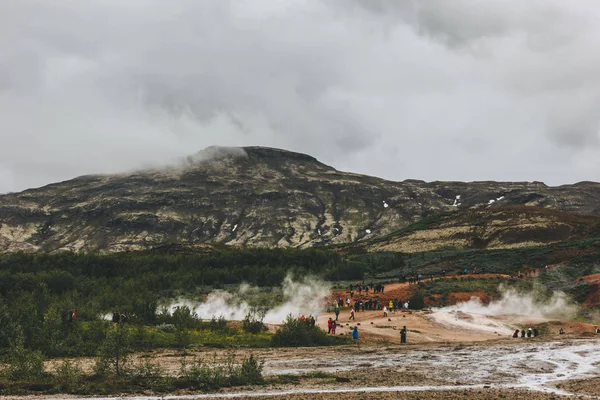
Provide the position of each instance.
(116, 319)
(516, 334)
(355, 334)
(329, 325)
(351, 314)
(403, 335)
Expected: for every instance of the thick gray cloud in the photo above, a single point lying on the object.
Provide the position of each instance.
(435, 90)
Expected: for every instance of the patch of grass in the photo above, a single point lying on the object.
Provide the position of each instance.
(420, 225)
(286, 379)
(320, 375)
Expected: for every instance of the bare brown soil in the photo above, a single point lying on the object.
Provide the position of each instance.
(481, 394)
(583, 386)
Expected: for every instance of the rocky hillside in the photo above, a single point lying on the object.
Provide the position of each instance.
(487, 228)
(254, 196)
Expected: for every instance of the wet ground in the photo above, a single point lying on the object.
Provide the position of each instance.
(508, 368)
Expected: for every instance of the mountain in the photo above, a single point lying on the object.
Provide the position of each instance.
(257, 196)
(487, 228)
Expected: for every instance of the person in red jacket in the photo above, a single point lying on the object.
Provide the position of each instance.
(329, 325)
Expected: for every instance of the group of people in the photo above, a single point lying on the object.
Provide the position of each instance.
(118, 318)
(362, 286)
(367, 305)
(310, 321)
(523, 333)
(331, 325)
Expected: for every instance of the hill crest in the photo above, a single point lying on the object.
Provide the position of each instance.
(250, 196)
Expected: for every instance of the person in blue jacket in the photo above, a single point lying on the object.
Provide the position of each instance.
(355, 334)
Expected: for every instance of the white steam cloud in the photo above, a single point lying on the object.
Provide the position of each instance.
(513, 302)
(475, 315)
(299, 297)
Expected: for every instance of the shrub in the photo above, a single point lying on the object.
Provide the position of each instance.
(295, 332)
(200, 375)
(67, 376)
(250, 372)
(147, 370)
(253, 321)
(113, 352)
(416, 301)
(219, 324)
(25, 364)
(205, 376)
(184, 318)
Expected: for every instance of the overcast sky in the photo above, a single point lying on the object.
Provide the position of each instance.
(433, 90)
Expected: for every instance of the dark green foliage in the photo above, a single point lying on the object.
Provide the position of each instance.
(38, 290)
(67, 377)
(25, 364)
(296, 333)
(416, 301)
(253, 321)
(112, 355)
(218, 324)
(250, 372)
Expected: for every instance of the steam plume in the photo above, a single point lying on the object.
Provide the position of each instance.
(299, 297)
(558, 305)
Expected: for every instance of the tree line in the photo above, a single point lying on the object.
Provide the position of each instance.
(37, 291)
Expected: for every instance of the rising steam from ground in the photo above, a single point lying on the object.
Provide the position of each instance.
(299, 297)
(513, 302)
(475, 315)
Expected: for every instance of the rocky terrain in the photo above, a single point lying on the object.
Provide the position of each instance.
(488, 228)
(256, 196)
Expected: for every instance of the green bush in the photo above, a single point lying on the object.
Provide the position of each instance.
(250, 372)
(25, 364)
(218, 324)
(67, 377)
(416, 301)
(295, 333)
(253, 321)
(112, 357)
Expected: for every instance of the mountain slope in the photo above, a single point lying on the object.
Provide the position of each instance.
(488, 228)
(250, 196)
